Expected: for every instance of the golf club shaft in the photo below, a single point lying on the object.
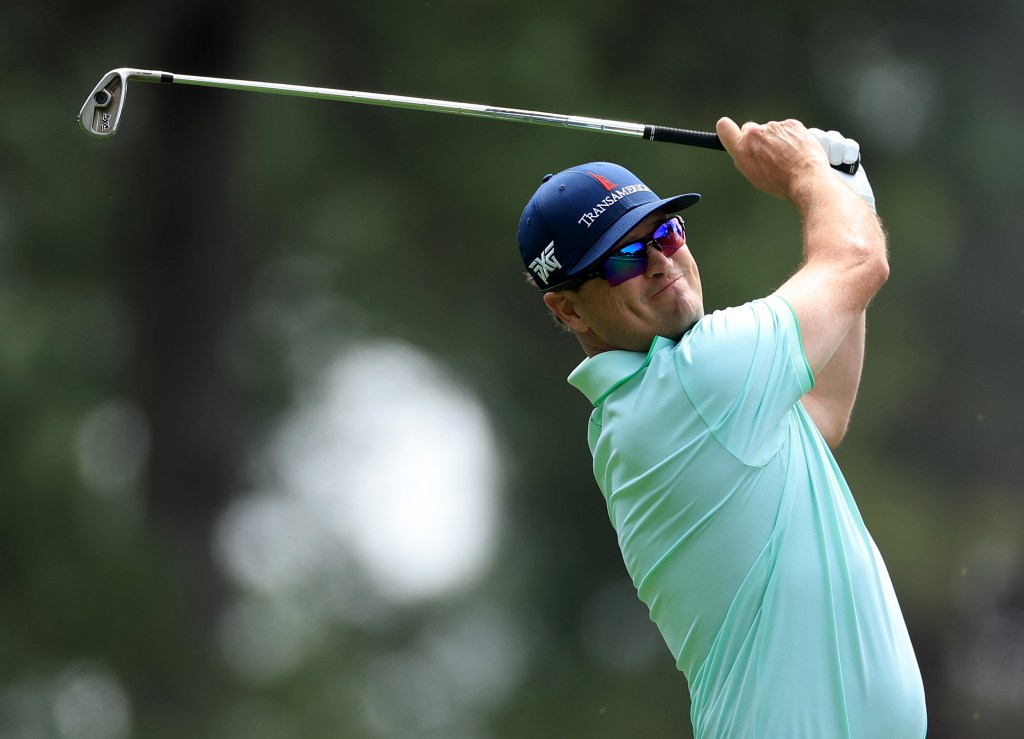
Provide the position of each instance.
(92, 125)
(101, 112)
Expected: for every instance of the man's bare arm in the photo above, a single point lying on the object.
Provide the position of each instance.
(830, 403)
(845, 258)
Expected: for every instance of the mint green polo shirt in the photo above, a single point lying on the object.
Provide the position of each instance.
(743, 539)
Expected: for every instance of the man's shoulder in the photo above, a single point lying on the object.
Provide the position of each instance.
(735, 351)
(736, 329)
(771, 307)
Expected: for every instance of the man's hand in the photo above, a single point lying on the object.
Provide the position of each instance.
(778, 157)
(842, 150)
(838, 148)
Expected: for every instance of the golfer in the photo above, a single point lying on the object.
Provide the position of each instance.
(712, 435)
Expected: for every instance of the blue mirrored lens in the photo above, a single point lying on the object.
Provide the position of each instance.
(631, 251)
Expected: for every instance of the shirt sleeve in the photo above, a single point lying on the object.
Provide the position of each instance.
(744, 370)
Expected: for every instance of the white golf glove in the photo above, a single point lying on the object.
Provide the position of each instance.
(841, 150)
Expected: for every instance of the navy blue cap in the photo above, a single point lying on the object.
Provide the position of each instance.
(579, 214)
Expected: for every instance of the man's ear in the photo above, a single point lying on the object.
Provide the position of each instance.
(563, 304)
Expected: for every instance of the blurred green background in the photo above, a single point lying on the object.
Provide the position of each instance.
(287, 449)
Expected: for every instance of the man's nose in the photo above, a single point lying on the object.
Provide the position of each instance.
(657, 262)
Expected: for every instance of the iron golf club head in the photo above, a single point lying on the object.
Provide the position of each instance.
(102, 109)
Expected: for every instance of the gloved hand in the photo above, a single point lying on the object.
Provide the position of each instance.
(841, 150)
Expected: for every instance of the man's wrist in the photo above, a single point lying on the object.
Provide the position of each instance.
(814, 188)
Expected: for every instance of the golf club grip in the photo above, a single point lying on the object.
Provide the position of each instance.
(703, 139)
(708, 140)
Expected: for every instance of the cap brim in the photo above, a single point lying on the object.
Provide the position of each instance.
(627, 223)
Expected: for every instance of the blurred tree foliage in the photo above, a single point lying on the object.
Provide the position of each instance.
(154, 288)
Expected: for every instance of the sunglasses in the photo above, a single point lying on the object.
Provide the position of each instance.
(630, 261)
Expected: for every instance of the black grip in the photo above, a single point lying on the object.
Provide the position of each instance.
(848, 168)
(703, 139)
(708, 140)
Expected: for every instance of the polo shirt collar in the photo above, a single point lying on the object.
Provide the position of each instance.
(597, 376)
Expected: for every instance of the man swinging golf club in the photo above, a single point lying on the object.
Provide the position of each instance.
(712, 434)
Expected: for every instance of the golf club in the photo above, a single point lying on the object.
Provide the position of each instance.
(101, 112)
